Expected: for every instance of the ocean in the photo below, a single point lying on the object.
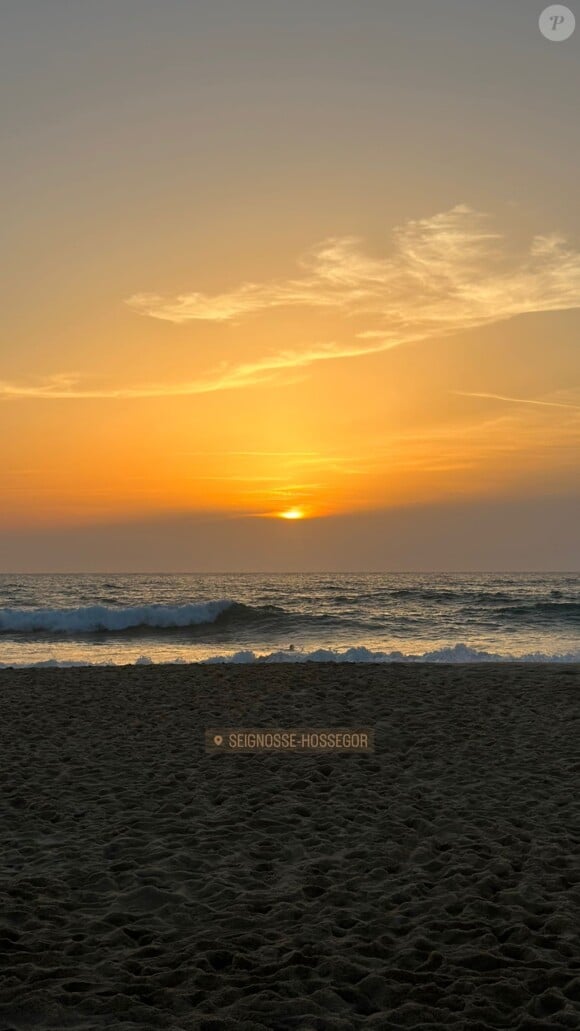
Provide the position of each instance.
(378, 617)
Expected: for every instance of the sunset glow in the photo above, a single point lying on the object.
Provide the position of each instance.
(292, 513)
(234, 318)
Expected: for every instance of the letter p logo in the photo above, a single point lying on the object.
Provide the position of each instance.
(557, 23)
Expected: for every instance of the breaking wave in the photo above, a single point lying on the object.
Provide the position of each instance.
(102, 619)
(147, 619)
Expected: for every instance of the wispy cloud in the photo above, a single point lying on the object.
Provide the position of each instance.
(519, 400)
(236, 377)
(67, 386)
(445, 274)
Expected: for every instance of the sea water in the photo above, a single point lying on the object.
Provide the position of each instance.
(118, 619)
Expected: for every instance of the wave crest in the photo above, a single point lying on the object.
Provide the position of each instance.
(102, 619)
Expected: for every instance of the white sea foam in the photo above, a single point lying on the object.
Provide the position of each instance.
(452, 653)
(94, 618)
(458, 653)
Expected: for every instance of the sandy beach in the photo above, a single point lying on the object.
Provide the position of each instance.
(434, 884)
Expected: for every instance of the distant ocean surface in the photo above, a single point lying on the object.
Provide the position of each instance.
(105, 619)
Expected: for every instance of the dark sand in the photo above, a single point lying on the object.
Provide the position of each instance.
(435, 884)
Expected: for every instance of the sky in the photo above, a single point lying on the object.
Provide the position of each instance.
(313, 259)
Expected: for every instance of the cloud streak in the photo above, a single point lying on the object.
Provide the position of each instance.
(68, 387)
(519, 400)
(444, 275)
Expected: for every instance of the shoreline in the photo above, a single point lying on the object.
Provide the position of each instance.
(63, 665)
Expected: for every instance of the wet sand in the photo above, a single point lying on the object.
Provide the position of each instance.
(434, 884)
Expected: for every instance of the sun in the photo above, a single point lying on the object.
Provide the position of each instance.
(292, 513)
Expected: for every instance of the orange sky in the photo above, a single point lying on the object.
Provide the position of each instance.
(329, 295)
